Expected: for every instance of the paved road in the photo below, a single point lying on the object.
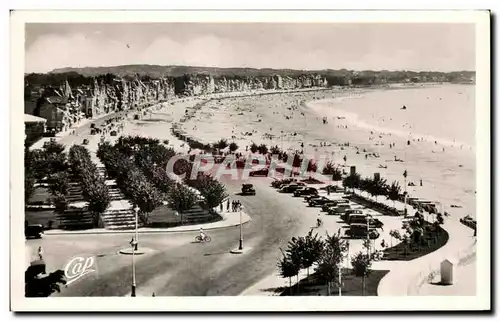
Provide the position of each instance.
(178, 266)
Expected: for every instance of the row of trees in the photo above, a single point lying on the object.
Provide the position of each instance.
(376, 186)
(43, 164)
(139, 166)
(327, 254)
(131, 179)
(94, 188)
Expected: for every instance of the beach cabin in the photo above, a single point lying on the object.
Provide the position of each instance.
(447, 271)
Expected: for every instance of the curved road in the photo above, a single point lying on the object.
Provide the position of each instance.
(177, 266)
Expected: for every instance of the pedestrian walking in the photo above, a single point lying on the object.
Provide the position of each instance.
(221, 207)
(228, 205)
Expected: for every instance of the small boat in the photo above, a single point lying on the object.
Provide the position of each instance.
(404, 107)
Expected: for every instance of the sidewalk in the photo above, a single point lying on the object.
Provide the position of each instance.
(229, 219)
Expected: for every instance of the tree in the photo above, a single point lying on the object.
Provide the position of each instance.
(275, 150)
(332, 254)
(295, 252)
(60, 203)
(59, 183)
(329, 168)
(29, 185)
(336, 175)
(34, 286)
(364, 184)
(181, 199)
(377, 187)
(361, 265)
(311, 252)
(254, 148)
(214, 193)
(352, 181)
(221, 144)
(262, 149)
(287, 269)
(98, 199)
(233, 147)
(54, 148)
(145, 196)
(395, 234)
(393, 192)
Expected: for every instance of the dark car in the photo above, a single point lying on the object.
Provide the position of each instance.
(320, 201)
(33, 231)
(260, 172)
(292, 187)
(247, 189)
(305, 191)
(361, 231)
(327, 206)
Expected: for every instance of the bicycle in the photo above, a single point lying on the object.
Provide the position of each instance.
(199, 239)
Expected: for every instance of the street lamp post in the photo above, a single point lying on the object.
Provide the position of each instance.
(134, 248)
(368, 235)
(136, 211)
(405, 174)
(241, 231)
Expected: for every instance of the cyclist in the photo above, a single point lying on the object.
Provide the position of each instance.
(202, 235)
(319, 222)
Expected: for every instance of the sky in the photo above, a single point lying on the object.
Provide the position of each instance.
(305, 46)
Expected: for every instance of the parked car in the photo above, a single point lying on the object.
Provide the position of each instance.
(338, 209)
(33, 231)
(327, 206)
(361, 231)
(260, 172)
(292, 187)
(247, 189)
(320, 201)
(308, 198)
(305, 191)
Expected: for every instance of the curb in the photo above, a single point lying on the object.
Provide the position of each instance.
(246, 219)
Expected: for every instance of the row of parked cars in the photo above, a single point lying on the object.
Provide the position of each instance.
(360, 224)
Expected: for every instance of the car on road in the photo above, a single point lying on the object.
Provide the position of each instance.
(303, 191)
(247, 189)
(359, 231)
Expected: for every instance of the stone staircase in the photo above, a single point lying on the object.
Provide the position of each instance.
(119, 219)
(74, 219)
(74, 193)
(197, 215)
(120, 215)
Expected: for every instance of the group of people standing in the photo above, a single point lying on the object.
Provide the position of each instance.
(235, 206)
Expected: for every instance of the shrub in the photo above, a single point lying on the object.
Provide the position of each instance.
(233, 147)
(254, 148)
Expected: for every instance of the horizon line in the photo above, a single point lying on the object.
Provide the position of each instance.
(254, 68)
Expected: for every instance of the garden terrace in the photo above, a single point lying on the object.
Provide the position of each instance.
(352, 285)
(431, 238)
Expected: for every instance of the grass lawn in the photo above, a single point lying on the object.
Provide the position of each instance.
(164, 216)
(40, 196)
(42, 217)
(352, 285)
(435, 241)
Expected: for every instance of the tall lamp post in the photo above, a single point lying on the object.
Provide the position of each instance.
(405, 174)
(241, 230)
(368, 217)
(136, 212)
(133, 243)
